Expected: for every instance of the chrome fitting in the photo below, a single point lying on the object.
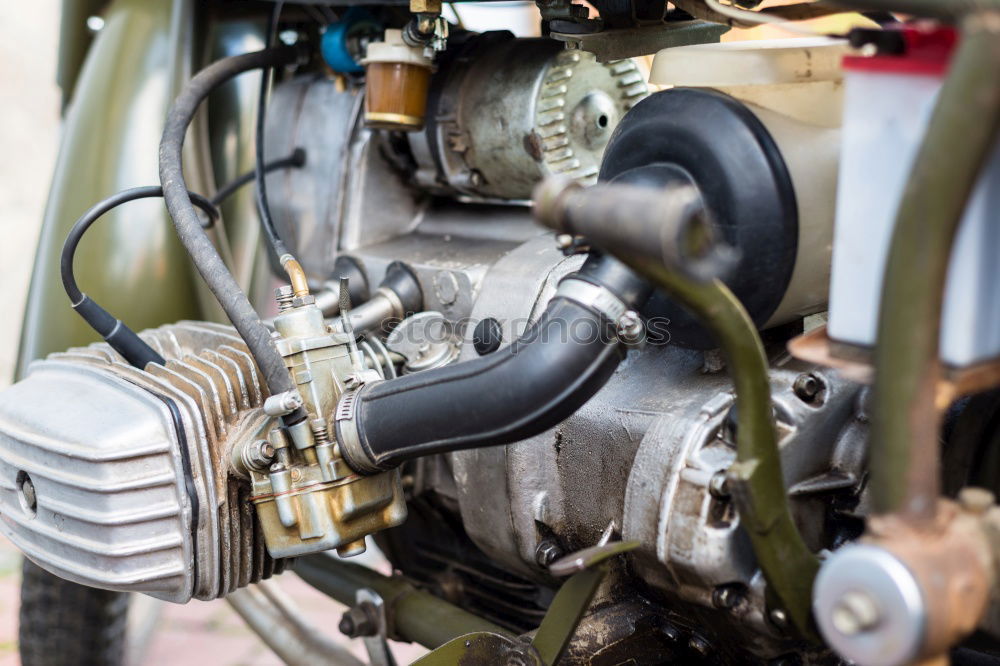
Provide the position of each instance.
(280, 404)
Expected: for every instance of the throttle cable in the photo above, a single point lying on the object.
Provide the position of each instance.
(115, 332)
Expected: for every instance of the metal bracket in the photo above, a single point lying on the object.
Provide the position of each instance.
(587, 569)
(609, 45)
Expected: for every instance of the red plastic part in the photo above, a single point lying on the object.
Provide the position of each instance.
(928, 53)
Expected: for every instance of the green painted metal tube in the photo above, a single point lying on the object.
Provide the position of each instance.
(131, 262)
(755, 479)
(415, 615)
(960, 138)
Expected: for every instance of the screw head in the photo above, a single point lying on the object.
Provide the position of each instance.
(630, 327)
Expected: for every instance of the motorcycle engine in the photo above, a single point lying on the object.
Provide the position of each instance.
(188, 493)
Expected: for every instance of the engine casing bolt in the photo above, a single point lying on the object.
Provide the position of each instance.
(718, 485)
(727, 597)
(700, 646)
(547, 552)
(807, 387)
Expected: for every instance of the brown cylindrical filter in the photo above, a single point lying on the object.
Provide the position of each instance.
(398, 76)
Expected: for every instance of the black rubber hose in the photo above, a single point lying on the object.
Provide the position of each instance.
(121, 338)
(263, 207)
(558, 364)
(203, 253)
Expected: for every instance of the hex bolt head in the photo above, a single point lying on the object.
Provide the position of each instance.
(258, 455)
(718, 485)
(356, 623)
(855, 612)
(807, 387)
(547, 552)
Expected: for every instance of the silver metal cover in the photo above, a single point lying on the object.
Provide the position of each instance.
(111, 508)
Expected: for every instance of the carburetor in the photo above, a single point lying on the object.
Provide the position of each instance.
(158, 494)
(309, 500)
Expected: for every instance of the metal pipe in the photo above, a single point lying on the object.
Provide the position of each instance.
(413, 614)
(381, 308)
(908, 405)
(668, 225)
(755, 480)
(274, 618)
(296, 276)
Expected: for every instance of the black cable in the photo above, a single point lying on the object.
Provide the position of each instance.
(297, 160)
(121, 338)
(104, 323)
(263, 209)
(203, 253)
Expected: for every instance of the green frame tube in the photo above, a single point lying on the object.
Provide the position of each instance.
(416, 615)
(960, 138)
(755, 480)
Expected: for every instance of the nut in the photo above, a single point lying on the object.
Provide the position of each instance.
(547, 552)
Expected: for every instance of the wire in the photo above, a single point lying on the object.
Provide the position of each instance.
(263, 209)
(747, 16)
(297, 159)
(113, 330)
(121, 338)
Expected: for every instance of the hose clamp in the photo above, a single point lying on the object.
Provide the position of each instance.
(628, 324)
(593, 297)
(348, 437)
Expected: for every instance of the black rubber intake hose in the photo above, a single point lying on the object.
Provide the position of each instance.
(203, 253)
(559, 363)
